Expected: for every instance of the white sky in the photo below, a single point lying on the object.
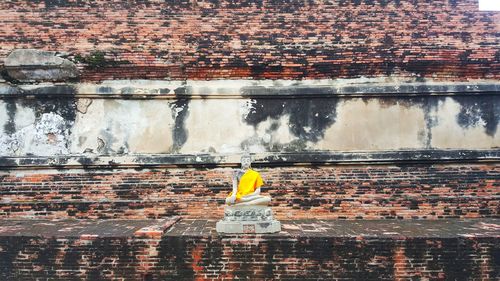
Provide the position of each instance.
(489, 5)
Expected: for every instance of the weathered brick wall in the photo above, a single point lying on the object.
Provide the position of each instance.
(271, 258)
(74, 258)
(29, 258)
(260, 39)
(327, 259)
(345, 192)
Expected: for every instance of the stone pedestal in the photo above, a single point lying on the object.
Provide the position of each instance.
(248, 219)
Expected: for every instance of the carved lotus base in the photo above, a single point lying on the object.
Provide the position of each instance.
(248, 219)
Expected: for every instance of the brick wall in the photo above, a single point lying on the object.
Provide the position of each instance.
(260, 39)
(346, 192)
(217, 258)
(326, 259)
(73, 258)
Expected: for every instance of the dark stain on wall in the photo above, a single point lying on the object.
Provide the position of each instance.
(44, 102)
(11, 107)
(64, 107)
(65, 90)
(180, 112)
(430, 107)
(10, 247)
(7, 162)
(173, 249)
(483, 110)
(495, 258)
(309, 118)
(47, 254)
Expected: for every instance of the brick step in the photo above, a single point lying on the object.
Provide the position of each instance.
(304, 250)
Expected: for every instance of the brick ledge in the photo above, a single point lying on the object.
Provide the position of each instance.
(359, 229)
(259, 160)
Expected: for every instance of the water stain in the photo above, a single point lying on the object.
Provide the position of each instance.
(308, 118)
(482, 110)
(180, 112)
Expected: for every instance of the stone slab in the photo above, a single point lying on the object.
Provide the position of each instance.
(30, 65)
(78, 228)
(362, 229)
(389, 229)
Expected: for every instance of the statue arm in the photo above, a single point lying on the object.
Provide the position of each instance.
(232, 199)
(235, 183)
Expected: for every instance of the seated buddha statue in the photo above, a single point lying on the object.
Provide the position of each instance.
(246, 186)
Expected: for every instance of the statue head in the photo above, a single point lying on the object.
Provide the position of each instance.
(246, 161)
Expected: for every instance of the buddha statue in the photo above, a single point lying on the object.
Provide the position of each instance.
(246, 186)
(246, 210)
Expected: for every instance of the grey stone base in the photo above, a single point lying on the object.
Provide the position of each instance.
(248, 226)
(248, 219)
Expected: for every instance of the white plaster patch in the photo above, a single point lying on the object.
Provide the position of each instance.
(279, 136)
(45, 137)
(449, 134)
(217, 126)
(124, 126)
(369, 126)
(50, 135)
(177, 110)
(25, 116)
(8, 145)
(247, 107)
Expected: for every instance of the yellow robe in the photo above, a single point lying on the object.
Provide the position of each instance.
(249, 182)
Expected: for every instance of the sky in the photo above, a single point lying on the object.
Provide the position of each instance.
(489, 5)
